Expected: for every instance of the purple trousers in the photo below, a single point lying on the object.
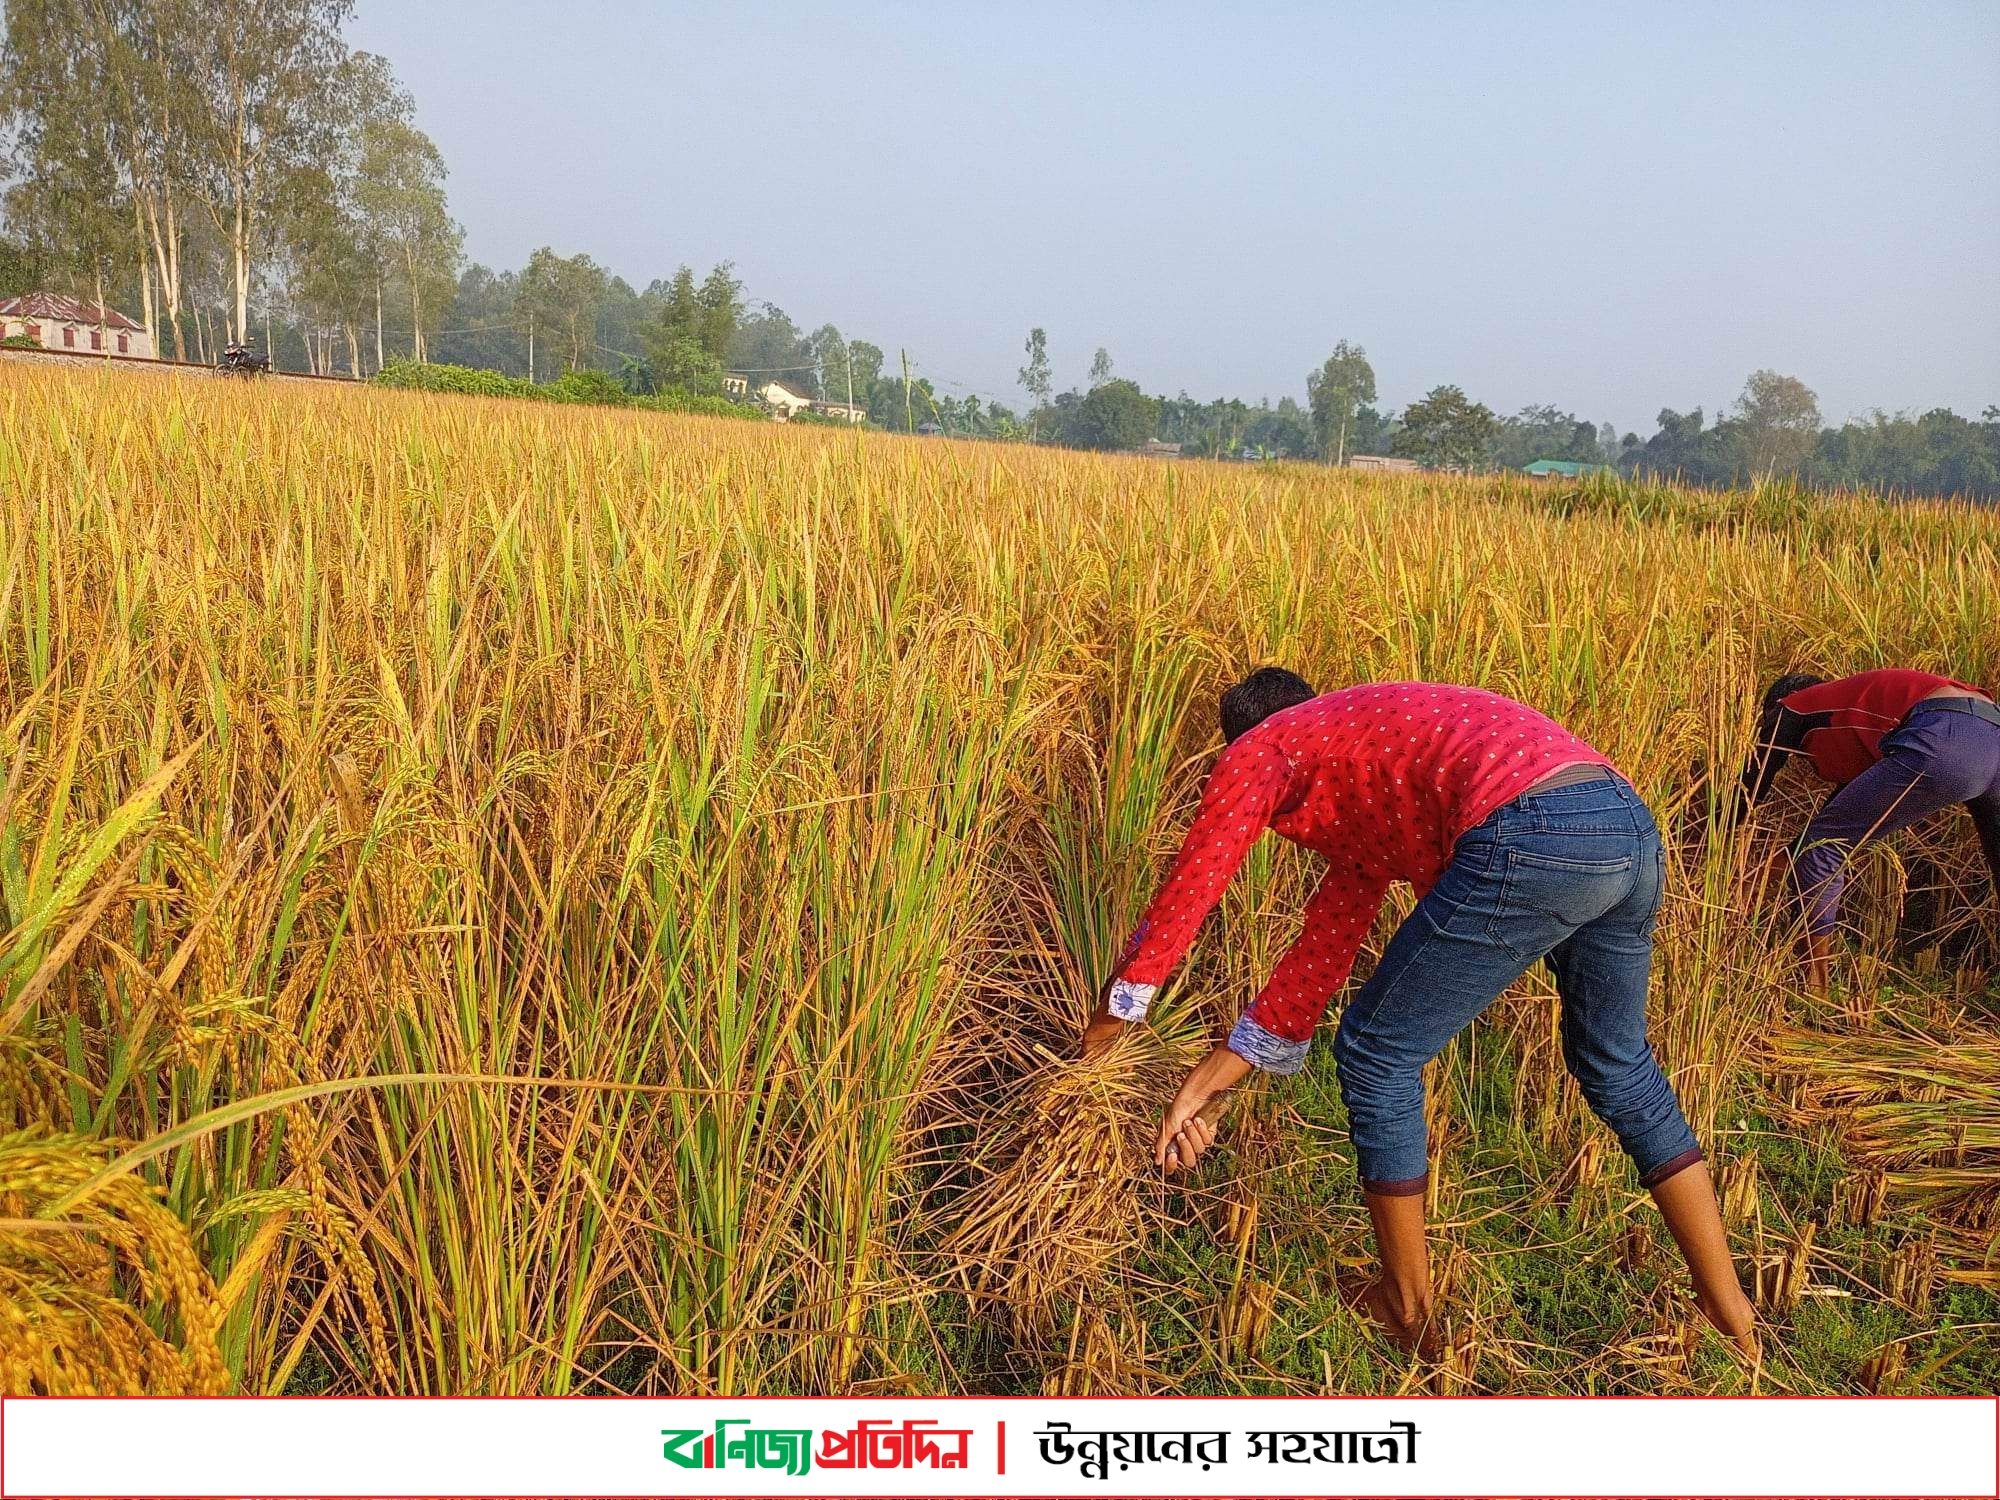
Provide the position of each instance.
(1940, 754)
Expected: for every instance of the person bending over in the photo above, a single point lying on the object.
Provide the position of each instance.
(1522, 844)
(1899, 746)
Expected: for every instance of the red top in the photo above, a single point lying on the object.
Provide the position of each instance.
(1863, 707)
(1381, 780)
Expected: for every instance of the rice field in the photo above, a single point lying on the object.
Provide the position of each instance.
(504, 899)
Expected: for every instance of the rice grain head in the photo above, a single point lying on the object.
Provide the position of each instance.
(80, 1297)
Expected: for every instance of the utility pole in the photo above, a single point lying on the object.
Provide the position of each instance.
(909, 424)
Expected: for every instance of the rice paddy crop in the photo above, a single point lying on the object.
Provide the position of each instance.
(503, 899)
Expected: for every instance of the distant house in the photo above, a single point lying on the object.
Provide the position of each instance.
(1382, 462)
(735, 385)
(1154, 448)
(1560, 468)
(784, 398)
(929, 429)
(840, 411)
(57, 322)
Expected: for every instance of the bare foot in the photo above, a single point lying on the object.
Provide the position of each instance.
(1422, 1336)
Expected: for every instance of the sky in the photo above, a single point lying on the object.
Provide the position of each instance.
(1612, 208)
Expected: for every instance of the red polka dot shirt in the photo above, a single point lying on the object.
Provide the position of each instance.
(1381, 780)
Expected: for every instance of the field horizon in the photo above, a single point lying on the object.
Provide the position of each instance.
(506, 898)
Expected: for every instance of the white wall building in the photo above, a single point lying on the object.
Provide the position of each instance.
(783, 398)
(57, 322)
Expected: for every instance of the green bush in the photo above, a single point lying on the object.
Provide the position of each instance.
(572, 387)
(705, 406)
(456, 380)
(587, 388)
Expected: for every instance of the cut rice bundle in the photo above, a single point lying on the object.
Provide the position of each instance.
(1059, 1188)
(1923, 1115)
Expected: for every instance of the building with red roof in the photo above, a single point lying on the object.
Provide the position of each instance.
(73, 326)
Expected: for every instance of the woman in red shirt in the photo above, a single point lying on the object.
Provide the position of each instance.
(1522, 844)
(1899, 746)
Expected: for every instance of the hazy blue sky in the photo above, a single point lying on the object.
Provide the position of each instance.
(1613, 208)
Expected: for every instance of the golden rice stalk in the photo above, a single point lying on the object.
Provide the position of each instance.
(1458, 1363)
(1582, 1172)
(1976, 1257)
(1243, 1321)
(1857, 1067)
(1880, 1372)
(1913, 1274)
(1662, 1354)
(1862, 1195)
(1102, 1358)
(1241, 1209)
(1923, 1113)
(1781, 1279)
(1635, 1247)
(1057, 1183)
(80, 1297)
(1739, 1188)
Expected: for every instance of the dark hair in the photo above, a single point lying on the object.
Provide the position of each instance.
(1784, 687)
(1266, 691)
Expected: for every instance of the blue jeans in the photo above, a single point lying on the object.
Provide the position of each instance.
(1944, 751)
(1573, 875)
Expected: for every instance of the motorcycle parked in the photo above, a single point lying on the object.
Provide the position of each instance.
(241, 359)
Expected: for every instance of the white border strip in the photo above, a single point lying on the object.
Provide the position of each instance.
(331, 1447)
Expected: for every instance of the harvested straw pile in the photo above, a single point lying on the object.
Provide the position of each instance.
(1057, 1192)
(1923, 1114)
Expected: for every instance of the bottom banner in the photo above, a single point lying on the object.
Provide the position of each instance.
(631, 1446)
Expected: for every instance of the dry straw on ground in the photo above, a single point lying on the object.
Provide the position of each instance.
(1920, 1118)
(1063, 1180)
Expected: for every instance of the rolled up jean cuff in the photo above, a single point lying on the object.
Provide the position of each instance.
(1671, 1166)
(1266, 1049)
(1407, 1187)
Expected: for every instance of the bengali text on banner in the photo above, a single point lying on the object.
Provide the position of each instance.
(999, 1446)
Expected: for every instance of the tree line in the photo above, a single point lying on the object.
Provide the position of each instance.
(240, 173)
(219, 161)
(1773, 430)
